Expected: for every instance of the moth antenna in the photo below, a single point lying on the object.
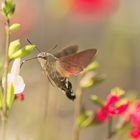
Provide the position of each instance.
(32, 44)
(27, 60)
(51, 49)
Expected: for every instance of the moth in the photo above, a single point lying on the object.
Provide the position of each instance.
(63, 64)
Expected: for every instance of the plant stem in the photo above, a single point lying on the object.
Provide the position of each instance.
(5, 75)
(76, 132)
(110, 121)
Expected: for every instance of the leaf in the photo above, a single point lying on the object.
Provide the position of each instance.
(98, 79)
(23, 52)
(117, 91)
(92, 66)
(86, 119)
(91, 79)
(96, 100)
(13, 47)
(8, 8)
(123, 128)
(14, 27)
(87, 80)
(10, 96)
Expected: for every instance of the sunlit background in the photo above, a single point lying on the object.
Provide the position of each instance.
(111, 26)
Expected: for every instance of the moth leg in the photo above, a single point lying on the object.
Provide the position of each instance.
(48, 77)
(50, 80)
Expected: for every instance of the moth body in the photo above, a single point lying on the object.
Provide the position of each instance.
(49, 64)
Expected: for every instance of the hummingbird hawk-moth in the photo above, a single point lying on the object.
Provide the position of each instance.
(67, 62)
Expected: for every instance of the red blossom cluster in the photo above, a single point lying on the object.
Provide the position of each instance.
(95, 6)
(130, 113)
(109, 108)
(95, 10)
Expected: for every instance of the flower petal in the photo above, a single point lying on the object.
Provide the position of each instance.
(111, 99)
(19, 84)
(101, 114)
(16, 67)
(118, 110)
(134, 133)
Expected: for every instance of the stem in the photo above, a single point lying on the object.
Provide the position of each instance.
(110, 121)
(5, 75)
(76, 132)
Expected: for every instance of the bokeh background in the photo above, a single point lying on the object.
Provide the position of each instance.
(111, 26)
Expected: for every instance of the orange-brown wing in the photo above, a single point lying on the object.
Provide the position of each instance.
(75, 63)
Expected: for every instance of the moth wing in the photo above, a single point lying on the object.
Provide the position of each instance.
(75, 63)
(67, 51)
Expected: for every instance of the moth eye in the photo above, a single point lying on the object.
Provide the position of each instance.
(43, 57)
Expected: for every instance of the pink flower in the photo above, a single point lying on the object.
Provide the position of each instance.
(95, 8)
(134, 117)
(134, 133)
(135, 114)
(15, 79)
(109, 109)
(101, 114)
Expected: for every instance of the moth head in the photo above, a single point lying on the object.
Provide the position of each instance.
(42, 58)
(42, 55)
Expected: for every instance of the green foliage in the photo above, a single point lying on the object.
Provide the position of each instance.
(86, 119)
(14, 27)
(10, 96)
(117, 91)
(23, 52)
(87, 80)
(123, 127)
(96, 100)
(13, 47)
(8, 8)
(90, 79)
(98, 79)
(92, 66)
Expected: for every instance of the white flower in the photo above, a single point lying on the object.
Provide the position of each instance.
(15, 79)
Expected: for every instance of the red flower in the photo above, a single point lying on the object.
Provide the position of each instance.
(20, 96)
(134, 117)
(135, 114)
(96, 8)
(134, 133)
(109, 110)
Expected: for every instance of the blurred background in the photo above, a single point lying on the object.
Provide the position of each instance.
(111, 26)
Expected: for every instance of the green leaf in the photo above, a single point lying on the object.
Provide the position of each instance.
(122, 127)
(90, 79)
(13, 47)
(9, 1)
(8, 8)
(10, 96)
(92, 66)
(96, 100)
(87, 80)
(1, 98)
(99, 79)
(14, 27)
(87, 84)
(117, 91)
(86, 119)
(23, 52)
